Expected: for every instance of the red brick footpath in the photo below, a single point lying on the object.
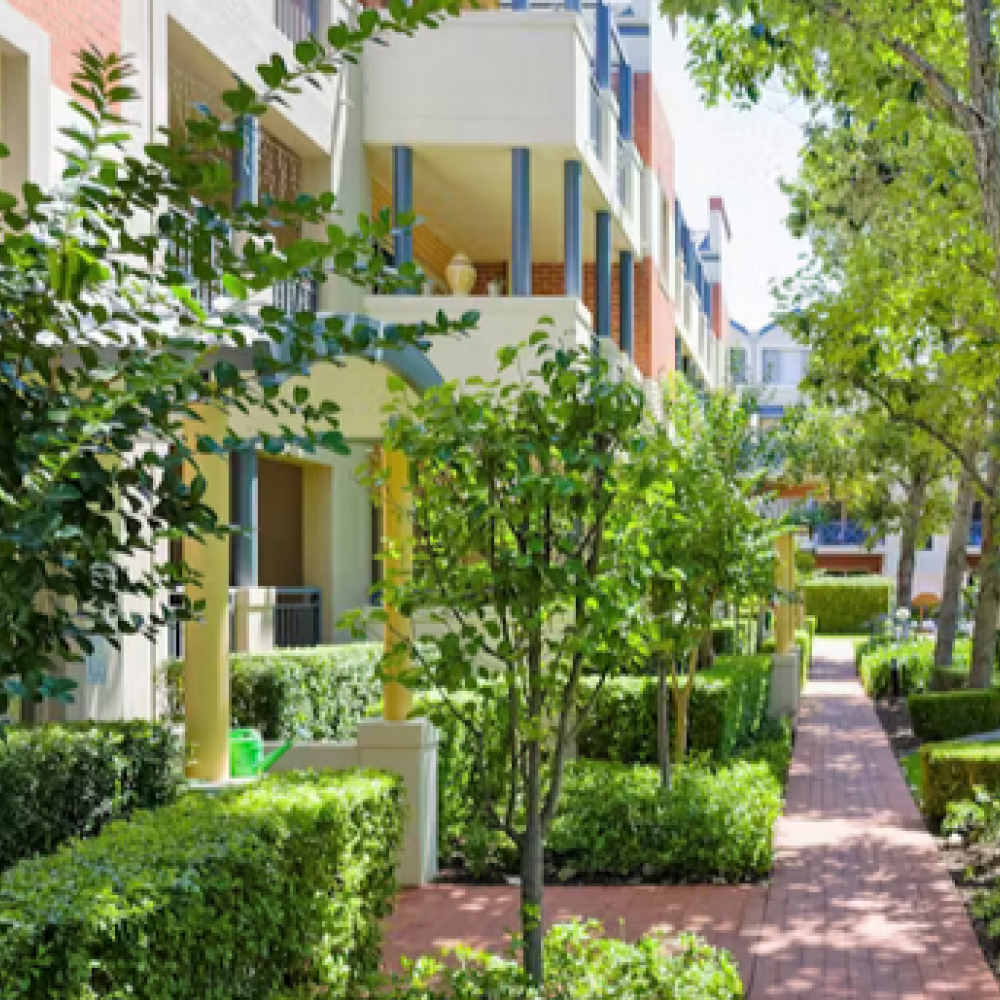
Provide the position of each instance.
(859, 905)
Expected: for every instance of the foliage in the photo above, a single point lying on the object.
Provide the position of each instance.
(724, 637)
(713, 824)
(950, 714)
(66, 781)
(949, 678)
(728, 706)
(846, 604)
(521, 486)
(915, 659)
(977, 819)
(131, 299)
(583, 964)
(951, 772)
(773, 745)
(232, 895)
(804, 641)
(320, 693)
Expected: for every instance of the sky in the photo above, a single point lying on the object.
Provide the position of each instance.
(739, 155)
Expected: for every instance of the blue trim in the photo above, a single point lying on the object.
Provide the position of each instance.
(402, 203)
(771, 410)
(519, 5)
(633, 30)
(246, 160)
(602, 68)
(520, 281)
(576, 6)
(573, 228)
(246, 516)
(410, 364)
(626, 301)
(314, 17)
(603, 317)
(625, 123)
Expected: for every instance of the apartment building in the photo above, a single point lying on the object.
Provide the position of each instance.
(530, 138)
(772, 364)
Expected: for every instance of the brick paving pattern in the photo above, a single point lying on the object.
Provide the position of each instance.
(860, 905)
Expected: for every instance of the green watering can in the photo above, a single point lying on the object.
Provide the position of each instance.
(246, 753)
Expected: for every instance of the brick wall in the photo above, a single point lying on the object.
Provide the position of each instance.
(73, 25)
(487, 271)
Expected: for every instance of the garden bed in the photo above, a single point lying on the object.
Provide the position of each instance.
(974, 867)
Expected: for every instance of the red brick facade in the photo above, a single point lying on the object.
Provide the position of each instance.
(72, 27)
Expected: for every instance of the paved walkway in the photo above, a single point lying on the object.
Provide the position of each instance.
(859, 906)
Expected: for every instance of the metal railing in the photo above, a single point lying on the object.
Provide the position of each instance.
(840, 533)
(298, 617)
(623, 169)
(295, 295)
(296, 19)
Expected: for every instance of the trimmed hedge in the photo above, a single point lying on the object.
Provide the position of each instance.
(713, 825)
(320, 693)
(581, 962)
(951, 714)
(951, 772)
(728, 706)
(948, 678)
(916, 661)
(846, 604)
(235, 895)
(63, 781)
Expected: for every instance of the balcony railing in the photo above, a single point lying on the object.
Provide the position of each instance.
(298, 617)
(976, 534)
(840, 533)
(623, 168)
(297, 19)
(296, 295)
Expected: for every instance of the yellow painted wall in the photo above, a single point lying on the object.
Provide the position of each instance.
(280, 503)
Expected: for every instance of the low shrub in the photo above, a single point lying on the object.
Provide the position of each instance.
(728, 706)
(847, 604)
(773, 746)
(63, 781)
(804, 641)
(952, 772)
(810, 623)
(915, 658)
(950, 714)
(320, 693)
(948, 678)
(235, 895)
(976, 819)
(713, 824)
(580, 962)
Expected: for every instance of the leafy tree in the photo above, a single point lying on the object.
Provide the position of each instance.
(520, 488)
(705, 534)
(925, 82)
(108, 349)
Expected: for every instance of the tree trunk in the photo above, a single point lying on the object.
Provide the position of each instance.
(707, 656)
(988, 608)
(908, 543)
(532, 857)
(761, 625)
(682, 696)
(663, 722)
(954, 572)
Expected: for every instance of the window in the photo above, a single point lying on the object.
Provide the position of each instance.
(738, 365)
(784, 367)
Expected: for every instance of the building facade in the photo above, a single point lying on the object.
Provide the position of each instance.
(772, 365)
(531, 138)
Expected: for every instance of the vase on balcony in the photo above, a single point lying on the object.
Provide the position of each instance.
(460, 274)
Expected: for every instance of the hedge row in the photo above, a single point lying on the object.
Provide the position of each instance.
(804, 641)
(915, 659)
(63, 781)
(951, 772)
(950, 714)
(715, 825)
(728, 705)
(236, 895)
(846, 604)
(319, 693)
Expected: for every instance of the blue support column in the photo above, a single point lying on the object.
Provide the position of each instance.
(246, 515)
(520, 283)
(625, 108)
(603, 274)
(574, 5)
(519, 5)
(402, 203)
(573, 228)
(626, 303)
(247, 158)
(602, 69)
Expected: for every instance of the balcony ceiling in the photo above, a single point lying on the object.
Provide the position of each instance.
(464, 196)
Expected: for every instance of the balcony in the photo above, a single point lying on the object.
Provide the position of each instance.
(840, 533)
(296, 19)
(503, 322)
